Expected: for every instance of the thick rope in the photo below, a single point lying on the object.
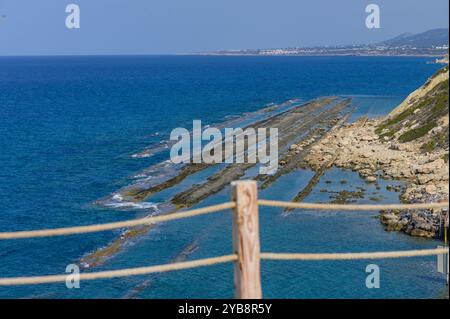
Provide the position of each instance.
(354, 256)
(207, 210)
(116, 225)
(118, 273)
(219, 260)
(348, 207)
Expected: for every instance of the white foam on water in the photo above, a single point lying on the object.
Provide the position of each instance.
(138, 176)
(118, 202)
(141, 155)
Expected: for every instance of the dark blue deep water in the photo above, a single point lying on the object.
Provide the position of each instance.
(68, 128)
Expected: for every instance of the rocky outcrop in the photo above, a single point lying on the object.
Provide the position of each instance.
(421, 92)
(421, 160)
(424, 223)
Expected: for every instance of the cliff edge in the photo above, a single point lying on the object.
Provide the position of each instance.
(411, 144)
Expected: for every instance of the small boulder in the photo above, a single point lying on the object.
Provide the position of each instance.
(431, 189)
(371, 179)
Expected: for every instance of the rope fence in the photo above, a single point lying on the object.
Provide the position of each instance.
(220, 260)
(351, 207)
(247, 253)
(210, 209)
(355, 256)
(119, 273)
(116, 225)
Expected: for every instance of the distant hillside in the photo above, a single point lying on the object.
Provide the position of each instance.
(428, 39)
(423, 117)
(432, 43)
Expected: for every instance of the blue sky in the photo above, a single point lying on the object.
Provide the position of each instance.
(37, 27)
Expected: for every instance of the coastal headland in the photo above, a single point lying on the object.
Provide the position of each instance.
(302, 124)
(411, 144)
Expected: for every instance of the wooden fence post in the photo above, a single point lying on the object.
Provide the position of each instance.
(247, 273)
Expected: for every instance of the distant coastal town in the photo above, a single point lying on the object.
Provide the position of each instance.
(341, 51)
(433, 43)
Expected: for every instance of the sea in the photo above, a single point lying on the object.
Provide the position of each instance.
(72, 129)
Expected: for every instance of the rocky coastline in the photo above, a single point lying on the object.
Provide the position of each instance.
(410, 144)
(358, 147)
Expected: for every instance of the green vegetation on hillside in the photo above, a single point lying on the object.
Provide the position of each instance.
(416, 133)
(421, 117)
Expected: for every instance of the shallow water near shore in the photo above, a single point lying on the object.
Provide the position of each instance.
(69, 127)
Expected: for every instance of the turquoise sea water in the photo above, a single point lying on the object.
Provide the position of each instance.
(70, 125)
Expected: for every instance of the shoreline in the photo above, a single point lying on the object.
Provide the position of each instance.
(314, 55)
(410, 144)
(425, 175)
(317, 135)
(306, 123)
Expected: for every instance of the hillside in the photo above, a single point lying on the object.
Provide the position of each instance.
(427, 39)
(422, 118)
(411, 145)
(429, 43)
